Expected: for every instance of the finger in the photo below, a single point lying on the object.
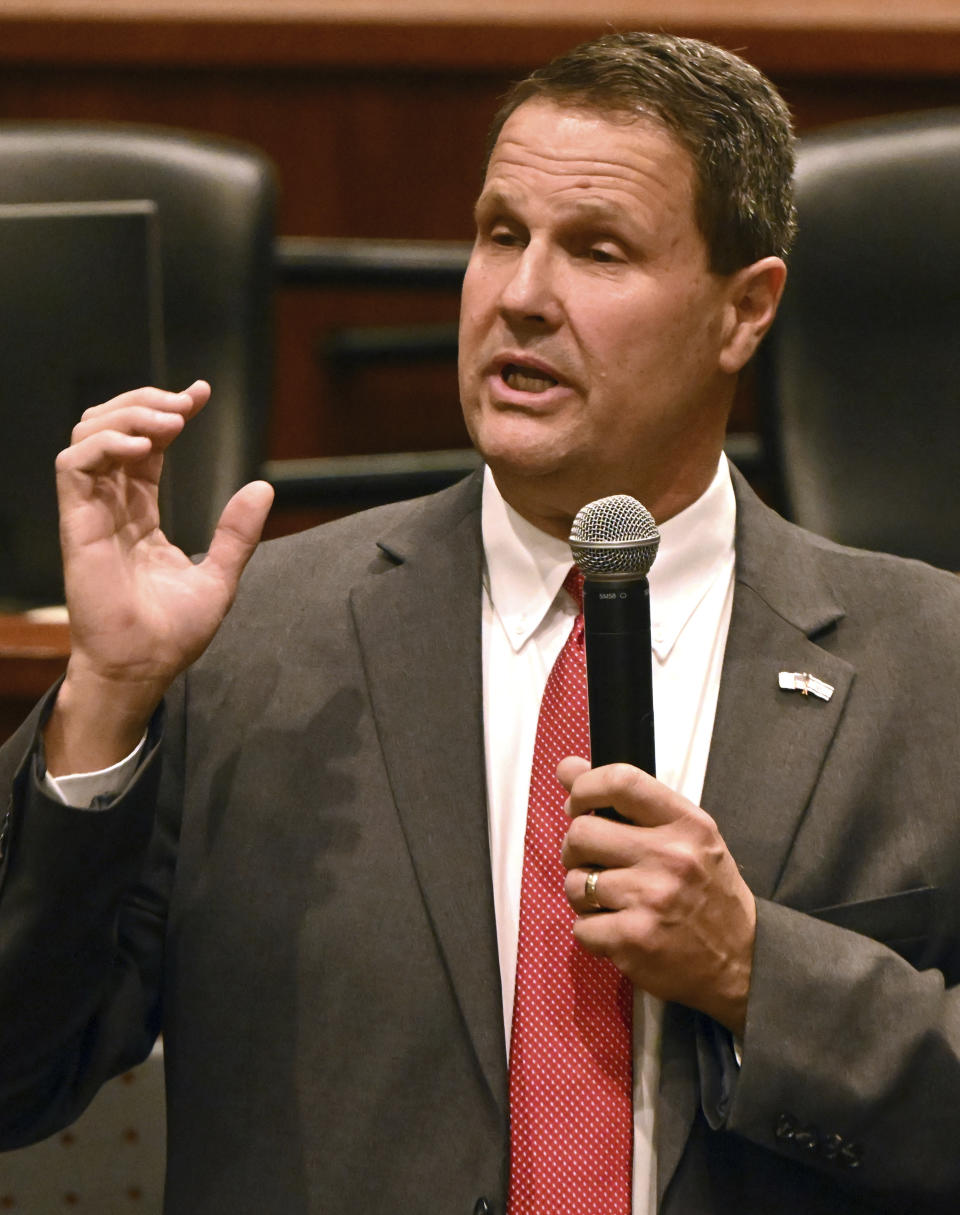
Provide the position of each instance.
(199, 392)
(238, 531)
(103, 453)
(605, 936)
(595, 842)
(187, 403)
(633, 793)
(606, 892)
(161, 426)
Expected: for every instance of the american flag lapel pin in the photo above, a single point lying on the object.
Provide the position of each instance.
(806, 684)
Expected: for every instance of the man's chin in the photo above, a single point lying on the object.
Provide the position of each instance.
(520, 446)
(513, 462)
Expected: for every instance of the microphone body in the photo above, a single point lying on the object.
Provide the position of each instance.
(616, 625)
(614, 542)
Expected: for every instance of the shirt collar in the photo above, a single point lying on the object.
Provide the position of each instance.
(525, 567)
(696, 548)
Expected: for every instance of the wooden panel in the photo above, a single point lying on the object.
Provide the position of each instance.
(822, 35)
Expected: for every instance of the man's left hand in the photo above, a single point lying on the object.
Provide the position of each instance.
(677, 918)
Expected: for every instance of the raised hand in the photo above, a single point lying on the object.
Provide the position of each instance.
(140, 610)
(676, 916)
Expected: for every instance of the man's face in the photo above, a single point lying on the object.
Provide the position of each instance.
(591, 326)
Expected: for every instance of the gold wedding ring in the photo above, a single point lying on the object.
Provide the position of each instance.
(590, 890)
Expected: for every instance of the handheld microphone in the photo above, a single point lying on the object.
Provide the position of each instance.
(614, 542)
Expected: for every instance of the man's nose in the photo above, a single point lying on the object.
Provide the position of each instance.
(529, 295)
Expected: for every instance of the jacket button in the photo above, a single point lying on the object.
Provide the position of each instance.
(786, 1128)
(807, 1139)
(851, 1155)
(482, 1207)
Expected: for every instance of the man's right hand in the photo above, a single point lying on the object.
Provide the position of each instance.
(140, 610)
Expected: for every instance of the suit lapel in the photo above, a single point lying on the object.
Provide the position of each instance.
(418, 624)
(768, 745)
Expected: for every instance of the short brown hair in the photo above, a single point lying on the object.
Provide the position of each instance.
(722, 110)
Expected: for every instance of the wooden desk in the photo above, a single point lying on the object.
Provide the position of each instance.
(33, 653)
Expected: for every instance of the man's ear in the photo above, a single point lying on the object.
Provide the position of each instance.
(754, 294)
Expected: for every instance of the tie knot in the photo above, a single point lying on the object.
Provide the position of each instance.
(573, 585)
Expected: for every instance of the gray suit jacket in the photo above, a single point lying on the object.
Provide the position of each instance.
(296, 890)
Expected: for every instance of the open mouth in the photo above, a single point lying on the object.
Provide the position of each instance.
(526, 379)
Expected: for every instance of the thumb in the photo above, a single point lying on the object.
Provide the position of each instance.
(238, 530)
(570, 768)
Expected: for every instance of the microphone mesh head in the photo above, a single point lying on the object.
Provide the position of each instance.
(614, 537)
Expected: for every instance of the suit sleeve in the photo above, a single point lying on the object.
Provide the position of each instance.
(82, 913)
(851, 1062)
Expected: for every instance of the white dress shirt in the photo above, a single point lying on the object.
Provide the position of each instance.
(526, 619)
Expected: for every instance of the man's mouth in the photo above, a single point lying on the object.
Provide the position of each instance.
(526, 379)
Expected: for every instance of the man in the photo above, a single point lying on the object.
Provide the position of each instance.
(302, 854)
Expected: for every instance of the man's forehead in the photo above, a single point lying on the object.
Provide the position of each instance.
(569, 137)
(556, 115)
(591, 161)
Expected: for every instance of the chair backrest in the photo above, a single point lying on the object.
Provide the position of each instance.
(859, 380)
(216, 207)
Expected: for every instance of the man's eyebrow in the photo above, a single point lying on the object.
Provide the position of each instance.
(597, 211)
(492, 201)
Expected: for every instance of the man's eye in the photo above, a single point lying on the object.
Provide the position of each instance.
(603, 254)
(504, 237)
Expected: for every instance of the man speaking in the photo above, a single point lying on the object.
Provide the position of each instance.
(319, 842)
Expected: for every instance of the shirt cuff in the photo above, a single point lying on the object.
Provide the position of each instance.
(719, 1067)
(82, 789)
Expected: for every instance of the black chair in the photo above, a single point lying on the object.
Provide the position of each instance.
(216, 207)
(859, 380)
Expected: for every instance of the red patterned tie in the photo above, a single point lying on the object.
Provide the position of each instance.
(571, 1109)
